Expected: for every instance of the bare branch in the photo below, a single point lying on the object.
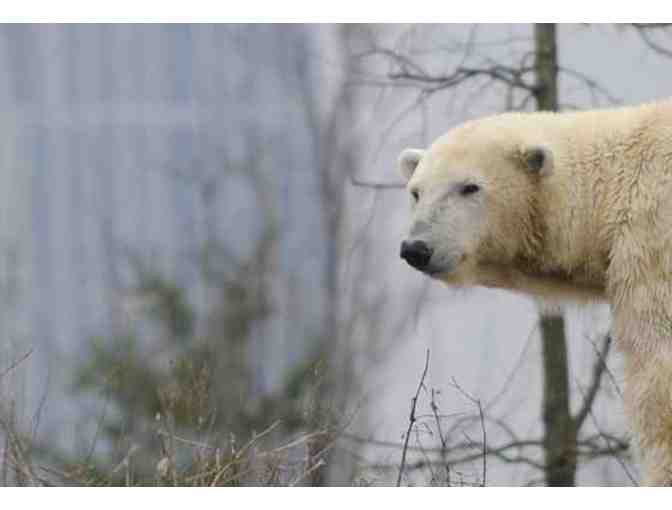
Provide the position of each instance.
(609, 373)
(642, 30)
(509, 75)
(412, 418)
(403, 61)
(15, 451)
(514, 371)
(499, 452)
(442, 438)
(16, 363)
(477, 402)
(593, 86)
(485, 442)
(590, 449)
(594, 386)
(608, 440)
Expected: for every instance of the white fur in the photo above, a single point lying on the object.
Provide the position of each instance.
(593, 222)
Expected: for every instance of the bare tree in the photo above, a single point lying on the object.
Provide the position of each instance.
(560, 431)
(463, 437)
(534, 77)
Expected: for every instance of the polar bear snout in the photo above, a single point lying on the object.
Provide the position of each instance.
(416, 253)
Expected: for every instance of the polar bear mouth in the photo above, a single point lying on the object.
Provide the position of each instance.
(423, 257)
(444, 266)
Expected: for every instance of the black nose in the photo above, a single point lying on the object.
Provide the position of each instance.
(416, 253)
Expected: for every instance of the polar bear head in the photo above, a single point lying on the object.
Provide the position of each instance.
(474, 201)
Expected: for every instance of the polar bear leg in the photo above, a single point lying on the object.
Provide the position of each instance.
(648, 404)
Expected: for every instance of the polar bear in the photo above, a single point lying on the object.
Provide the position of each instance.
(563, 205)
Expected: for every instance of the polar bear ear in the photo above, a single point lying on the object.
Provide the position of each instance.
(408, 162)
(538, 160)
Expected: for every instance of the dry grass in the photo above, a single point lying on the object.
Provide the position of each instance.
(178, 461)
(204, 454)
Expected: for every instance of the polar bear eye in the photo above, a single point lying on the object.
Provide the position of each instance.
(415, 194)
(469, 189)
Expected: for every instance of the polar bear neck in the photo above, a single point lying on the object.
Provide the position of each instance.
(603, 160)
(547, 284)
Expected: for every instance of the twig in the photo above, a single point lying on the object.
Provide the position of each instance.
(477, 402)
(423, 450)
(188, 442)
(412, 418)
(593, 86)
(514, 371)
(642, 31)
(485, 443)
(591, 393)
(300, 440)
(16, 363)
(20, 459)
(498, 452)
(402, 60)
(607, 439)
(257, 437)
(609, 373)
(308, 472)
(444, 445)
(509, 75)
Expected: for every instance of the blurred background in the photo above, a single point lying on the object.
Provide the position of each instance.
(199, 271)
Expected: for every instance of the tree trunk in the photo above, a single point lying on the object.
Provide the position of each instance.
(559, 431)
(546, 66)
